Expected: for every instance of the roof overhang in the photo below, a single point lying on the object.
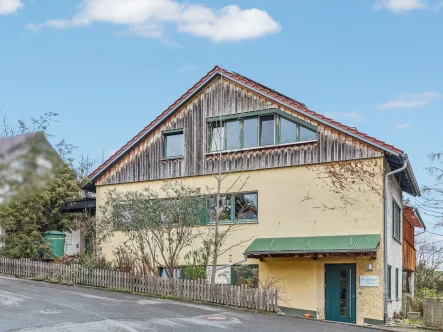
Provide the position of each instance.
(314, 246)
(412, 188)
(412, 214)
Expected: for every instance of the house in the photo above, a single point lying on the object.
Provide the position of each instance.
(411, 220)
(27, 162)
(322, 195)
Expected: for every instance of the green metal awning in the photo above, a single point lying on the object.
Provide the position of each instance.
(297, 246)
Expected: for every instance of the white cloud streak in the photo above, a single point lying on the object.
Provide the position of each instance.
(185, 69)
(150, 18)
(400, 6)
(10, 6)
(354, 116)
(403, 126)
(411, 100)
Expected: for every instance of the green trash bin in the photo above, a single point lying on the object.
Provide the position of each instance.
(56, 240)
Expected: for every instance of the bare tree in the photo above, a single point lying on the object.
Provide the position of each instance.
(158, 225)
(429, 263)
(431, 202)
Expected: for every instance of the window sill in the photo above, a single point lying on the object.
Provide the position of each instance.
(397, 240)
(234, 223)
(274, 146)
(172, 158)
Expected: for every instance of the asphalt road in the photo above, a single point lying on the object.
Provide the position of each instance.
(37, 306)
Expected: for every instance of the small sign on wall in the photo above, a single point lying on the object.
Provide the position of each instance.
(368, 281)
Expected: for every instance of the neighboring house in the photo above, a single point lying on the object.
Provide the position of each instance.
(411, 220)
(27, 162)
(315, 188)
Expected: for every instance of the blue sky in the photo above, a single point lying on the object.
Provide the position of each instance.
(109, 67)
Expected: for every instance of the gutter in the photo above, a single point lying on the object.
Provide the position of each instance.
(232, 264)
(404, 158)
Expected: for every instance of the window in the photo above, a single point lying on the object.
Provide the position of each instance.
(217, 138)
(264, 129)
(250, 133)
(225, 208)
(396, 283)
(288, 131)
(267, 130)
(173, 144)
(307, 134)
(232, 135)
(396, 221)
(389, 282)
(242, 207)
(246, 207)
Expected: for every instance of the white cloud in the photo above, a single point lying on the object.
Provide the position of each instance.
(354, 116)
(185, 69)
(438, 6)
(400, 6)
(10, 6)
(403, 126)
(411, 100)
(149, 18)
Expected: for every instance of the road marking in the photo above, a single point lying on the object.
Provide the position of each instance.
(15, 294)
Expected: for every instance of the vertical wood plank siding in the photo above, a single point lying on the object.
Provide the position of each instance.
(222, 97)
(408, 244)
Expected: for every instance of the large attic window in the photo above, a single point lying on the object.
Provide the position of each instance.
(257, 129)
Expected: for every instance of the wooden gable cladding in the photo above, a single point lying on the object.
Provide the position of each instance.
(145, 161)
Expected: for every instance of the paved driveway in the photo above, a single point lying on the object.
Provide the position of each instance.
(37, 306)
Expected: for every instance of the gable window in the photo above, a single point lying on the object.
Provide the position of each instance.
(307, 134)
(232, 135)
(288, 131)
(254, 129)
(241, 207)
(267, 130)
(217, 137)
(396, 221)
(250, 133)
(173, 144)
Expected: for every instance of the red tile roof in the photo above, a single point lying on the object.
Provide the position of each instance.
(254, 85)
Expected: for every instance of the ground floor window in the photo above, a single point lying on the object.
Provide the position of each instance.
(389, 282)
(396, 283)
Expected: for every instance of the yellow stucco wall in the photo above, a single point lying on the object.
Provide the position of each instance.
(325, 199)
(301, 283)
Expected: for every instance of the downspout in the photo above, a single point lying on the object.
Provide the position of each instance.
(385, 235)
(232, 264)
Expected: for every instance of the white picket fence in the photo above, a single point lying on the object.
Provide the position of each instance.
(197, 290)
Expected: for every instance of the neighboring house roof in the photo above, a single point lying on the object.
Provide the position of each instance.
(367, 243)
(413, 216)
(273, 95)
(12, 143)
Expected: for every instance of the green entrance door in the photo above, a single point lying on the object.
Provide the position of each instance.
(340, 292)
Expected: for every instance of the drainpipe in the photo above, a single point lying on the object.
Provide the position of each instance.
(232, 264)
(385, 234)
